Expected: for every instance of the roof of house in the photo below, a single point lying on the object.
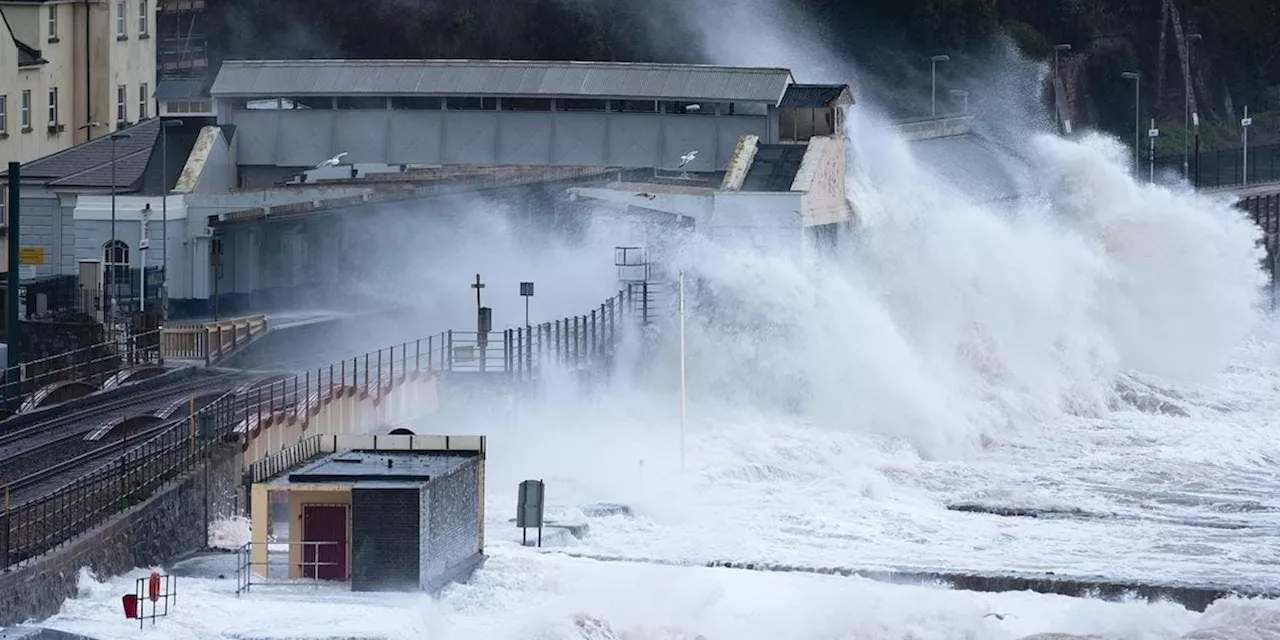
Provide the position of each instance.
(139, 157)
(813, 96)
(774, 167)
(272, 78)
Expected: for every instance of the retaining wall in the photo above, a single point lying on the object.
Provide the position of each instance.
(170, 523)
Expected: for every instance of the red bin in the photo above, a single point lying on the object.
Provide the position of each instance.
(130, 605)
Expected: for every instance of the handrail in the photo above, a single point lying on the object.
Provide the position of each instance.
(209, 341)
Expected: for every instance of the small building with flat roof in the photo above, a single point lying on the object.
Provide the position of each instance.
(400, 513)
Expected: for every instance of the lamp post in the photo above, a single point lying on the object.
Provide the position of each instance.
(1186, 108)
(933, 79)
(1137, 118)
(961, 93)
(1152, 134)
(1245, 123)
(165, 125)
(114, 137)
(1057, 112)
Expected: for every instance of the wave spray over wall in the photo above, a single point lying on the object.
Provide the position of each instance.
(1061, 351)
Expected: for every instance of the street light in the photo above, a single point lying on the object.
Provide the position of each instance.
(102, 286)
(1186, 108)
(1245, 123)
(165, 125)
(933, 79)
(115, 136)
(961, 93)
(1137, 118)
(1057, 113)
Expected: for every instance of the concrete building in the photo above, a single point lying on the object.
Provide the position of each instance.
(294, 114)
(66, 64)
(403, 514)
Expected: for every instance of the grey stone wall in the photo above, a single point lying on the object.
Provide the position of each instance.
(453, 539)
(170, 523)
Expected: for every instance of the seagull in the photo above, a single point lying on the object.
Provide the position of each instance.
(647, 196)
(688, 157)
(999, 616)
(693, 108)
(332, 162)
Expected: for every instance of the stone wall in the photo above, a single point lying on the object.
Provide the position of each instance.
(170, 523)
(454, 538)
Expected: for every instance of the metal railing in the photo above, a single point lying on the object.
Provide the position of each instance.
(42, 524)
(209, 341)
(245, 575)
(1222, 167)
(1265, 212)
(92, 365)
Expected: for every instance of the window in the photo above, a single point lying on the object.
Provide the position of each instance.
(415, 102)
(526, 104)
(4, 114)
(53, 106)
(471, 104)
(358, 102)
(122, 113)
(24, 110)
(581, 104)
(120, 19)
(636, 106)
(142, 101)
(53, 22)
(142, 18)
(115, 261)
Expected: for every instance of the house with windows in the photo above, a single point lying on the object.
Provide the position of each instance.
(72, 72)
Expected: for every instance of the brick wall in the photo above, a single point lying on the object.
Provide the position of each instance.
(169, 524)
(453, 529)
(385, 552)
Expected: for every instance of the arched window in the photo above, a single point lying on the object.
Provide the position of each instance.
(115, 267)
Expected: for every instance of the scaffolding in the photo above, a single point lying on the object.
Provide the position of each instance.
(182, 51)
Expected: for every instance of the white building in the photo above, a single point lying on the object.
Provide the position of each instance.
(64, 64)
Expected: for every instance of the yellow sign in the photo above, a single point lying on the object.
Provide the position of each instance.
(30, 255)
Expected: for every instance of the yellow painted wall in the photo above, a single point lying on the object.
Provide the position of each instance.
(315, 494)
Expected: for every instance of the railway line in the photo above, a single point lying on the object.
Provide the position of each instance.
(44, 457)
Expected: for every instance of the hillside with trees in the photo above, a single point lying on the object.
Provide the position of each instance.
(1235, 62)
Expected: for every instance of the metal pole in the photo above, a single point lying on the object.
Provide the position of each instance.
(164, 220)
(1151, 153)
(1137, 118)
(1244, 124)
(13, 334)
(682, 372)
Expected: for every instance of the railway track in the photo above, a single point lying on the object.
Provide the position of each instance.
(43, 471)
(27, 450)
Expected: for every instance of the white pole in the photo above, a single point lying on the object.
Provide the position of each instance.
(1244, 123)
(682, 378)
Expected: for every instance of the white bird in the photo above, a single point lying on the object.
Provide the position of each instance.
(332, 162)
(688, 157)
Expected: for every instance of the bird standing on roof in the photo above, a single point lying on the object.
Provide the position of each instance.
(332, 162)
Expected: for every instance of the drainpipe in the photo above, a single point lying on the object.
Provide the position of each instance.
(88, 84)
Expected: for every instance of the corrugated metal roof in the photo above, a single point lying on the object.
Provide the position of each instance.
(270, 78)
(812, 96)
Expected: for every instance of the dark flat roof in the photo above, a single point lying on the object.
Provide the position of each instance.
(371, 466)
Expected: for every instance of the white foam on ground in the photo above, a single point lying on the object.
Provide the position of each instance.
(229, 533)
(521, 595)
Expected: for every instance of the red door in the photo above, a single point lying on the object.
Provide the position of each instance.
(324, 523)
